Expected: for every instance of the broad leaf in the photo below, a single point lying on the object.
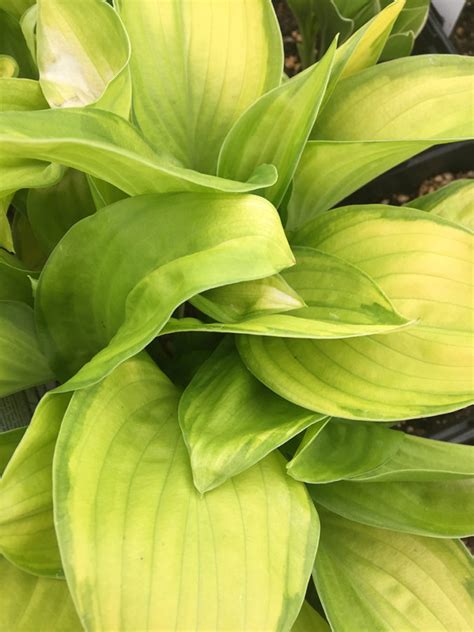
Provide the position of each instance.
(367, 452)
(27, 535)
(191, 70)
(35, 603)
(21, 95)
(424, 370)
(233, 238)
(131, 518)
(15, 7)
(53, 210)
(275, 128)
(9, 441)
(103, 145)
(21, 362)
(340, 301)
(372, 579)
(376, 119)
(309, 621)
(440, 508)
(230, 420)
(82, 54)
(455, 202)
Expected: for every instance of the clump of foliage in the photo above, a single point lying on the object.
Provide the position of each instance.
(229, 352)
(319, 21)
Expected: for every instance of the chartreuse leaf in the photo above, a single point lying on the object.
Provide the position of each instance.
(20, 95)
(83, 54)
(309, 621)
(232, 303)
(15, 284)
(365, 46)
(373, 579)
(27, 535)
(53, 210)
(367, 452)
(455, 202)
(9, 441)
(440, 508)
(424, 370)
(21, 362)
(341, 301)
(191, 73)
(8, 67)
(35, 603)
(135, 535)
(377, 118)
(230, 420)
(233, 238)
(342, 450)
(103, 145)
(275, 128)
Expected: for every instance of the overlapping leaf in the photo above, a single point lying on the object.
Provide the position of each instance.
(21, 362)
(192, 77)
(230, 420)
(101, 296)
(35, 603)
(9, 440)
(82, 54)
(27, 535)
(309, 621)
(275, 128)
(367, 452)
(103, 145)
(142, 549)
(417, 259)
(373, 579)
(455, 202)
(374, 120)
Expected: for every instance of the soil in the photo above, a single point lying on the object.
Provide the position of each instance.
(463, 34)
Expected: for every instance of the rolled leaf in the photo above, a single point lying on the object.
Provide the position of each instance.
(12, 43)
(230, 420)
(156, 267)
(27, 535)
(82, 55)
(424, 370)
(103, 145)
(186, 105)
(372, 579)
(131, 517)
(15, 283)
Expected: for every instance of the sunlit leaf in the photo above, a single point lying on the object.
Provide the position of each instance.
(372, 579)
(142, 549)
(424, 370)
(191, 70)
(35, 603)
(27, 535)
(82, 54)
(455, 202)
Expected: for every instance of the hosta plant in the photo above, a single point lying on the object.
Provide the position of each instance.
(320, 20)
(228, 354)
